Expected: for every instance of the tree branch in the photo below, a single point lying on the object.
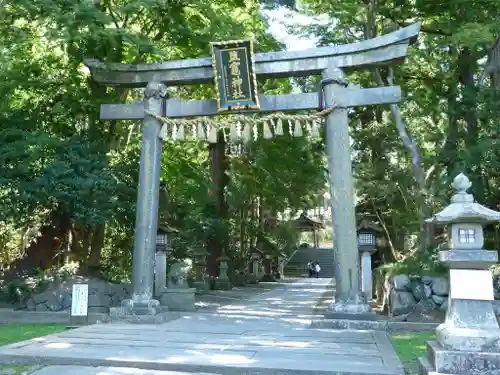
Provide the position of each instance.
(493, 64)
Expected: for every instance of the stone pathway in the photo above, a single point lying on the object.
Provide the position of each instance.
(267, 334)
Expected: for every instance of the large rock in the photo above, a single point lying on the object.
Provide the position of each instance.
(427, 291)
(401, 282)
(102, 295)
(417, 289)
(440, 286)
(438, 300)
(496, 286)
(424, 306)
(401, 302)
(444, 305)
(427, 279)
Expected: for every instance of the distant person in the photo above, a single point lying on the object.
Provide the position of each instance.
(310, 268)
(317, 268)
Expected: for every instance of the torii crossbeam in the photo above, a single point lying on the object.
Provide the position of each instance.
(330, 62)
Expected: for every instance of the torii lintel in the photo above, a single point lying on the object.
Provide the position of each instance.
(384, 50)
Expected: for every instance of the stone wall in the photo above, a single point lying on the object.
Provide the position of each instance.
(102, 296)
(406, 294)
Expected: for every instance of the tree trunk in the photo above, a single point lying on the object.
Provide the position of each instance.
(43, 252)
(96, 245)
(409, 143)
(467, 65)
(218, 166)
(450, 151)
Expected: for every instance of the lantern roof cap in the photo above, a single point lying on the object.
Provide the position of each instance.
(463, 208)
(166, 229)
(366, 224)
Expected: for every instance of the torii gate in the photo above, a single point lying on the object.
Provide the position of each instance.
(330, 62)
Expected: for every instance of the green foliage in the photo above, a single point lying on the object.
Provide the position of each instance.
(20, 289)
(60, 162)
(450, 114)
(48, 173)
(419, 263)
(410, 346)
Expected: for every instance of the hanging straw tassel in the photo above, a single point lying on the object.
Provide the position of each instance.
(247, 133)
(315, 129)
(192, 133)
(255, 132)
(308, 128)
(212, 134)
(267, 134)
(200, 131)
(297, 131)
(179, 135)
(188, 132)
(164, 132)
(234, 132)
(278, 130)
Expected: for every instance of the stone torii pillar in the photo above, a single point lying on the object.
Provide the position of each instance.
(349, 301)
(331, 63)
(148, 193)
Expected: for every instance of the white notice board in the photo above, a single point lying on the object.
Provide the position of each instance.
(80, 300)
(471, 284)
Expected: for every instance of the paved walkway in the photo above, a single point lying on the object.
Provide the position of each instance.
(268, 334)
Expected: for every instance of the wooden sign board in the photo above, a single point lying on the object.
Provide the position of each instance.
(234, 75)
(79, 305)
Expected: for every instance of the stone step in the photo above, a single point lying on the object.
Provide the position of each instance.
(271, 350)
(88, 370)
(207, 363)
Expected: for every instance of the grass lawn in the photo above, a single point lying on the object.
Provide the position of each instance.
(410, 346)
(20, 332)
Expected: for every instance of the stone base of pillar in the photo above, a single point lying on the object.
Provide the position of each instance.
(223, 284)
(268, 278)
(354, 309)
(252, 279)
(139, 312)
(201, 286)
(179, 299)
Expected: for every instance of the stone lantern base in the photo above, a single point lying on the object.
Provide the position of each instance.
(458, 362)
(201, 286)
(469, 340)
(179, 299)
(252, 279)
(223, 284)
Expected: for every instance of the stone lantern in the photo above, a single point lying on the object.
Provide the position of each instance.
(200, 264)
(223, 282)
(281, 264)
(468, 342)
(367, 233)
(255, 257)
(163, 248)
(268, 270)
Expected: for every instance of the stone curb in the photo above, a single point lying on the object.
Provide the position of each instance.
(8, 316)
(186, 367)
(390, 326)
